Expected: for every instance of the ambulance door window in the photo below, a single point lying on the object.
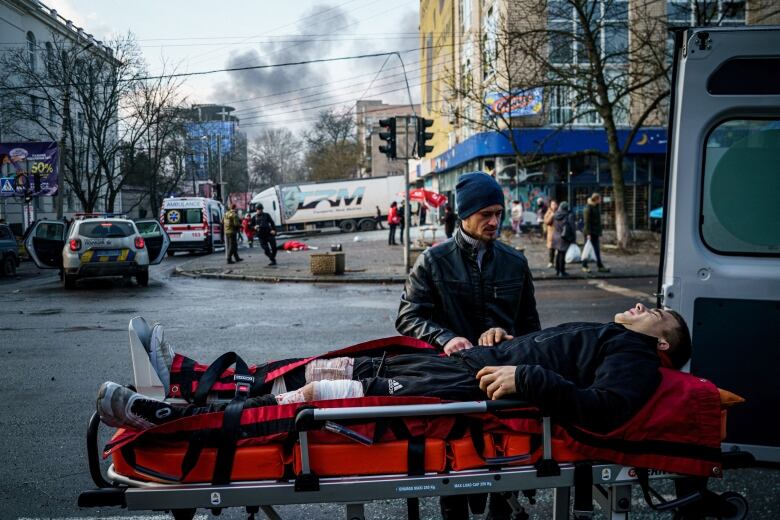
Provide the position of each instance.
(741, 188)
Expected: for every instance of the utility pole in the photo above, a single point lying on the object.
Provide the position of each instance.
(407, 206)
(219, 160)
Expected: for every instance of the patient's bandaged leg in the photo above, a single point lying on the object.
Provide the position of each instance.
(329, 369)
(320, 390)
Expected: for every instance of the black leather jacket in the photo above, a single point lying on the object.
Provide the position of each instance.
(447, 295)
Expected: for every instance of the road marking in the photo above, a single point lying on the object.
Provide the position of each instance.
(623, 291)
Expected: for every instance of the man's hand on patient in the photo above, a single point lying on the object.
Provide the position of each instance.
(494, 336)
(497, 382)
(456, 344)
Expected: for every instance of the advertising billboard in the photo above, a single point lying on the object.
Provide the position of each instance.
(20, 163)
(515, 104)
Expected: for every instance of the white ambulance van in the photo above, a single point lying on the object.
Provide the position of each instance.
(193, 224)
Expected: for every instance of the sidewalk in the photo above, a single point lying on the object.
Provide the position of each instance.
(370, 260)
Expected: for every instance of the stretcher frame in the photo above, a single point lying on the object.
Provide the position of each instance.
(612, 483)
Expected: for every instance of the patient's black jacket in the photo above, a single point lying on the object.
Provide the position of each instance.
(593, 374)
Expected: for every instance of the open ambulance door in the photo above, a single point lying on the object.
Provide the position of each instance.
(155, 238)
(720, 264)
(44, 243)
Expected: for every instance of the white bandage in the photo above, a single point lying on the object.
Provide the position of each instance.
(296, 396)
(329, 369)
(340, 389)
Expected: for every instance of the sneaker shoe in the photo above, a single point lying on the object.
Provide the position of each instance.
(120, 407)
(550, 265)
(272, 262)
(585, 269)
(239, 259)
(603, 269)
(161, 356)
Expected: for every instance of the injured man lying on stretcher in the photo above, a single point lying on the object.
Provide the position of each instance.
(596, 375)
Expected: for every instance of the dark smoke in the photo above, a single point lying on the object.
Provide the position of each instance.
(321, 19)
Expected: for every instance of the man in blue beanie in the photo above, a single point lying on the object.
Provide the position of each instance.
(470, 290)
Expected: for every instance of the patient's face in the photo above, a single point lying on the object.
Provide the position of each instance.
(653, 322)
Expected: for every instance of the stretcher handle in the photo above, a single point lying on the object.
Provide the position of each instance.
(311, 418)
(92, 453)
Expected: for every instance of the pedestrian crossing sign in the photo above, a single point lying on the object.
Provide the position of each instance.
(6, 186)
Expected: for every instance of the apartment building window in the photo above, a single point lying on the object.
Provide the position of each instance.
(489, 44)
(686, 13)
(567, 46)
(49, 58)
(31, 52)
(35, 107)
(465, 15)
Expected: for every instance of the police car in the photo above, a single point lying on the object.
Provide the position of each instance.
(95, 245)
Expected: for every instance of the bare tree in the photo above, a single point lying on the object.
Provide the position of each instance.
(597, 63)
(72, 92)
(332, 151)
(154, 155)
(275, 157)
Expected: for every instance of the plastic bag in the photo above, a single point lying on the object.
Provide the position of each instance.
(573, 253)
(588, 252)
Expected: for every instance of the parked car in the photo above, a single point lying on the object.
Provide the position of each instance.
(9, 251)
(97, 246)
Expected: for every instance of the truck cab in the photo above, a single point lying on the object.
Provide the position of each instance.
(721, 259)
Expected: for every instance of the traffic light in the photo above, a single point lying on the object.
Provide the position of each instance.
(423, 148)
(388, 135)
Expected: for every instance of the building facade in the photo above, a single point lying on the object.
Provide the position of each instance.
(490, 114)
(32, 26)
(213, 136)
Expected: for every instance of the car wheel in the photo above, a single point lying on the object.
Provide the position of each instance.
(9, 266)
(142, 278)
(69, 280)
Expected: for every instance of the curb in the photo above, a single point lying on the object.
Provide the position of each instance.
(179, 271)
(291, 279)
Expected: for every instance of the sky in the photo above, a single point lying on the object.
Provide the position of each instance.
(195, 35)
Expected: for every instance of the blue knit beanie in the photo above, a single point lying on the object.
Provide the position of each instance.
(476, 190)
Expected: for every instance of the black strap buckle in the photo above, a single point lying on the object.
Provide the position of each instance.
(243, 384)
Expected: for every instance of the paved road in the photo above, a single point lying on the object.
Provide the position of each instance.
(58, 346)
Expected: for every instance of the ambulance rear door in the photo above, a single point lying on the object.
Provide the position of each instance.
(721, 263)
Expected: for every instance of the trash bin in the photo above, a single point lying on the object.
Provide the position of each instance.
(327, 263)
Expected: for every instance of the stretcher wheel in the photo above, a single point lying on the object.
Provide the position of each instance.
(183, 514)
(739, 502)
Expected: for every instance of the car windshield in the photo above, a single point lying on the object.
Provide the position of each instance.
(106, 229)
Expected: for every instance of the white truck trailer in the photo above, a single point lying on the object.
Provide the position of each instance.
(350, 204)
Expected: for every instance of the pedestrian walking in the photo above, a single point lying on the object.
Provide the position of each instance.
(378, 218)
(392, 223)
(517, 217)
(549, 228)
(246, 227)
(592, 230)
(541, 210)
(265, 229)
(449, 220)
(565, 235)
(231, 225)
(401, 221)
(422, 213)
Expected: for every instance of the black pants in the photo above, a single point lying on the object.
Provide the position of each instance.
(391, 236)
(268, 243)
(379, 223)
(401, 234)
(560, 262)
(552, 255)
(594, 240)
